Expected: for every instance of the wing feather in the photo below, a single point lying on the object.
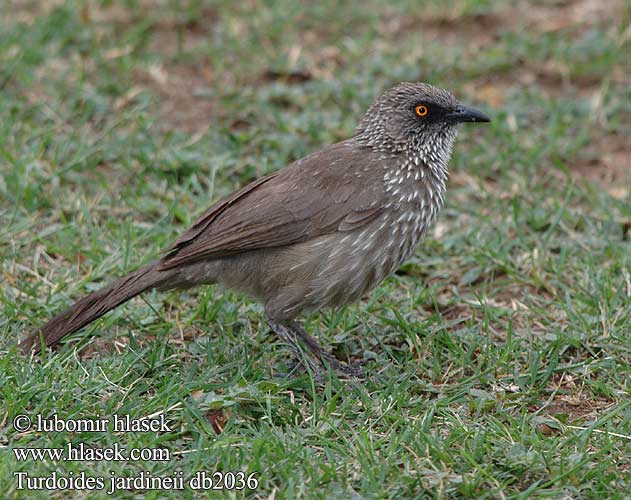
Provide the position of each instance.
(300, 202)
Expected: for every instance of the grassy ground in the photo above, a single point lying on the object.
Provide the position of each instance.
(504, 345)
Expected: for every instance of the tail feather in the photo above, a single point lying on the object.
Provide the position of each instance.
(95, 305)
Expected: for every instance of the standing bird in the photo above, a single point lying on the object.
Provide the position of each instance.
(318, 233)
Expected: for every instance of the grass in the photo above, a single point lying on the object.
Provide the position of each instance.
(503, 347)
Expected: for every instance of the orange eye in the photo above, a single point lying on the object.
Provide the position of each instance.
(421, 110)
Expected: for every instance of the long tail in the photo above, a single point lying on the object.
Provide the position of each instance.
(95, 305)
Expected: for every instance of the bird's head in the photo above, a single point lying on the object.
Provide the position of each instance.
(416, 116)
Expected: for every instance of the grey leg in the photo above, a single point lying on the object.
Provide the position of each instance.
(289, 337)
(317, 358)
(324, 355)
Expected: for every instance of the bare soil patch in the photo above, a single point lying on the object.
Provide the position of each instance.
(564, 14)
(183, 93)
(607, 162)
(481, 29)
(573, 402)
(183, 89)
(476, 31)
(576, 407)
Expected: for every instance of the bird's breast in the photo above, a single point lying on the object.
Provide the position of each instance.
(414, 195)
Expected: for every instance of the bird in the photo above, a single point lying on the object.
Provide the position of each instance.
(317, 234)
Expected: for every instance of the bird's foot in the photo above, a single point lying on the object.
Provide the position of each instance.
(351, 370)
(314, 359)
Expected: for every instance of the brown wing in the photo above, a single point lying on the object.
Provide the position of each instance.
(336, 189)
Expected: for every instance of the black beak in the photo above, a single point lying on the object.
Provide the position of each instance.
(462, 114)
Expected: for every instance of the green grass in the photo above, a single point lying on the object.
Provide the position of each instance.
(502, 349)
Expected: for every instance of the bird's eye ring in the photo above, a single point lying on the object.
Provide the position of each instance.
(421, 110)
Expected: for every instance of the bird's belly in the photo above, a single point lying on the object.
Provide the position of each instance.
(354, 263)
